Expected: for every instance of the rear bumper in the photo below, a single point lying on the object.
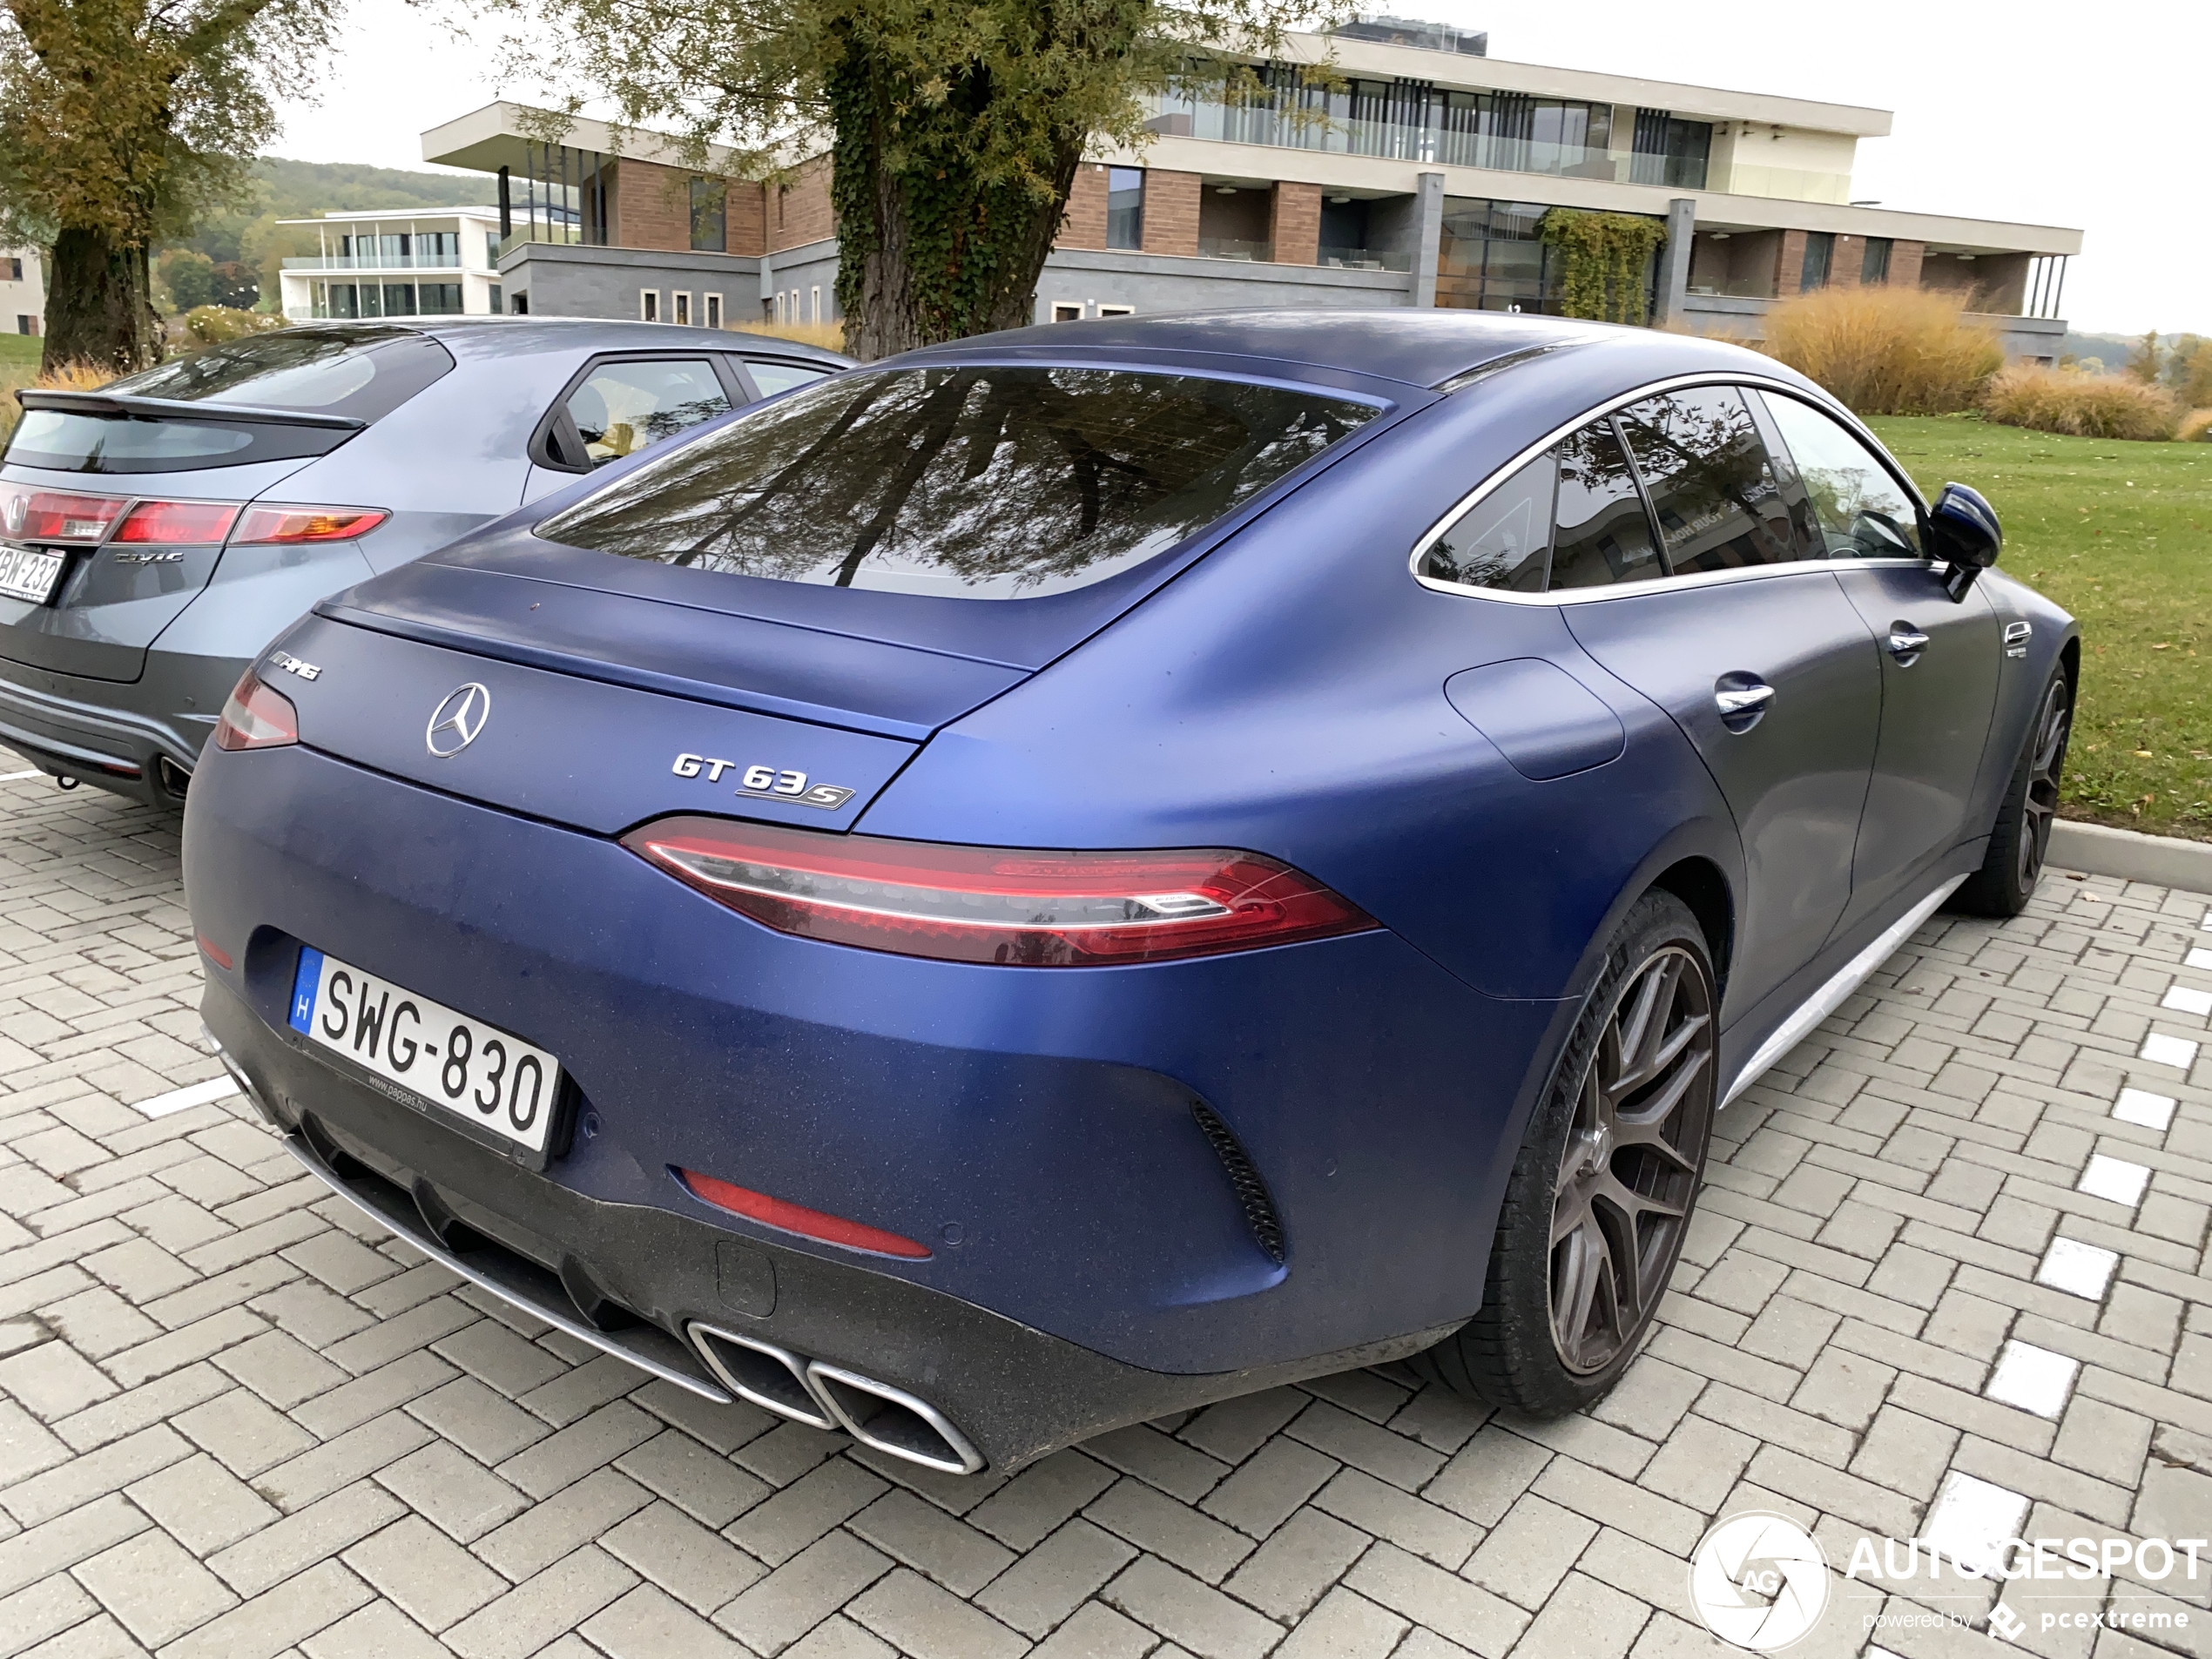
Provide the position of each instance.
(1015, 1393)
(118, 734)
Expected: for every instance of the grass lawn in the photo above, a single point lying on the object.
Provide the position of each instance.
(20, 349)
(2120, 534)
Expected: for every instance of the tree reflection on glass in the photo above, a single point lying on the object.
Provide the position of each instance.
(977, 481)
(1710, 483)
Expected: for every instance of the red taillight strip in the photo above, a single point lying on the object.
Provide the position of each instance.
(216, 953)
(996, 905)
(797, 1218)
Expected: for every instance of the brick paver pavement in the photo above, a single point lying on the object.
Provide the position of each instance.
(237, 1423)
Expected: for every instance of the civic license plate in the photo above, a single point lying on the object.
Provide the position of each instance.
(473, 1070)
(28, 573)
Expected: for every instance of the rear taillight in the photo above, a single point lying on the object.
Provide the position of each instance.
(791, 1217)
(307, 523)
(178, 523)
(256, 718)
(976, 904)
(55, 515)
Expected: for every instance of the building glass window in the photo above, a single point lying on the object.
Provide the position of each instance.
(1125, 207)
(680, 309)
(1820, 254)
(712, 314)
(1669, 150)
(399, 299)
(1874, 265)
(1492, 257)
(438, 299)
(13, 270)
(710, 216)
(649, 305)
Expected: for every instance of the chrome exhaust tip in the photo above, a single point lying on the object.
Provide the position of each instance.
(772, 1377)
(892, 1421)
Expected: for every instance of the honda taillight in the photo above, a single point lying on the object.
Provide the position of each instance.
(977, 904)
(291, 524)
(55, 515)
(178, 523)
(256, 718)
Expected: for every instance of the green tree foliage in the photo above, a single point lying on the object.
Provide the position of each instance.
(1603, 259)
(189, 276)
(122, 121)
(954, 126)
(2189, 371)
(2147, 361)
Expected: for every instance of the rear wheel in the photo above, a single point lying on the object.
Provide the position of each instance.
(1602, 1192)
(2021, 837)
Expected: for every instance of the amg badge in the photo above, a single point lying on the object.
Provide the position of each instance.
(769, 782)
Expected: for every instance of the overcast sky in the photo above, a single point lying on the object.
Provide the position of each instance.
(2091, 116)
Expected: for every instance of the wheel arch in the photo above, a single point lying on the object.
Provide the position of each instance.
(1697, 882)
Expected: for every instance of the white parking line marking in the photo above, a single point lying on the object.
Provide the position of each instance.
(183, 1100)
(2182, 1000)
(2162, 1050)
(2141, 1107)
(2200, 959)
(2114, 1178)
(2035, 1379)
(10, 777)
(2078, 1269)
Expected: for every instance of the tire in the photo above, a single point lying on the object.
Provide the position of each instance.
(1657, 993)
(2021, 837)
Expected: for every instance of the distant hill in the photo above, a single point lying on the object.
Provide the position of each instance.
(286, 189)
(2112, 350)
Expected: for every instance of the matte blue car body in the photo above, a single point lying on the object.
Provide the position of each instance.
(1234, 692)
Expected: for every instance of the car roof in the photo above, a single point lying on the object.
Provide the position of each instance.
(508, 336)
(1417, 345)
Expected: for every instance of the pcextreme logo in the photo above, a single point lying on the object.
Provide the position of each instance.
(1759, 1581)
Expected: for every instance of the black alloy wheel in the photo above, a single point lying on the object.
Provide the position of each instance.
(2046, 759)
(1600, 1196)
(1629, 1170)
(2020, 838)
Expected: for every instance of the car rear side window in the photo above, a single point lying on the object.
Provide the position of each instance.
(1602, 533)
(1711, 486)
(1860, 510)
(621, 407)
(361, 375)
(978, 481)
(775, 377)
(1504, 540)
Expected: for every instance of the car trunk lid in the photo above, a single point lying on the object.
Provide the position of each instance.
(555, 740)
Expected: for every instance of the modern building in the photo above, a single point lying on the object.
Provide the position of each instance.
(23, 292)
(440, 263)
(1391, 163)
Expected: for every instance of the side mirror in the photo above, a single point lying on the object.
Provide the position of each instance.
(1964, 533)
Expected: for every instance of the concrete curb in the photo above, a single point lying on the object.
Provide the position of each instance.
(2163, 860)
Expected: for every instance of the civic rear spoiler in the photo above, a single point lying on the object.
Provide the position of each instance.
(171, 408)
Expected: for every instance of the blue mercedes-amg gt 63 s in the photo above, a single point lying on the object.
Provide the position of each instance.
(1072, 874)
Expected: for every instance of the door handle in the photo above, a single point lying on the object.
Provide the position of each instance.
(1906, 643)
(1742, 701)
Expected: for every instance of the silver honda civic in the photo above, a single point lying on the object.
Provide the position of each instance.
(156, 533)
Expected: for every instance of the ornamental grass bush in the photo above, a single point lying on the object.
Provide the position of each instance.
(2083, 406)
(830, 336)
(2197, 424)
(219, 325)
(1886, 350)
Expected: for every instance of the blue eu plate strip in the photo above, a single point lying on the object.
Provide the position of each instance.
(303, 988)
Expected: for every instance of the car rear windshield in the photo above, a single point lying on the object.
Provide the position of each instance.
(979, 482)
(360, 374)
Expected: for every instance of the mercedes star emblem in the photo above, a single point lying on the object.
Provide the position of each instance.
(455, 723)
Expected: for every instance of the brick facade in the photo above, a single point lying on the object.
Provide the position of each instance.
(1790, 275)
(1844, 271)
(1085, 223)
(652, 207)
(1170, 212)
(748, 219)
(1294, 223)
(1905, 263)
(799, 210)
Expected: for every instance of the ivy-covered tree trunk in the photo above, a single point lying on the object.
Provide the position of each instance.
(97, 305)
(927, 251)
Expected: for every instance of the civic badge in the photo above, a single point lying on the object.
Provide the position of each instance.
(455, 723)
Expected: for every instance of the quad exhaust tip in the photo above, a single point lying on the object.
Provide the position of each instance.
(888, 1419)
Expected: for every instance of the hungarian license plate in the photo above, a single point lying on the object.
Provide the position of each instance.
(477, 1072)
(29, 573)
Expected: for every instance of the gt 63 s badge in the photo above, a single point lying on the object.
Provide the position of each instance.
(771, 782)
